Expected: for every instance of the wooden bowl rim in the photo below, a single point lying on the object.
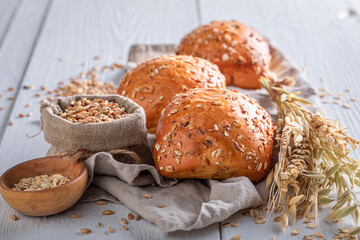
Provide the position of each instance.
(84, 171)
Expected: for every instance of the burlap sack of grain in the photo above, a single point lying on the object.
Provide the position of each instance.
(128, 133)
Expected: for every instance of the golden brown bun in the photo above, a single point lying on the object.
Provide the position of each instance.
(242, 54)
(213, 133)
(153, 83)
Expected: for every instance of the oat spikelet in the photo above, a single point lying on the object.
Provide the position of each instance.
(313, 161)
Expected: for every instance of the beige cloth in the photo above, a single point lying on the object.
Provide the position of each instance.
(190, 203)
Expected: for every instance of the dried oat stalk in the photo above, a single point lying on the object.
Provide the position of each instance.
(313, 161)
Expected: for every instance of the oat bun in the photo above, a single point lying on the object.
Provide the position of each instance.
(213, 133)
(241, 53)
(153, 83)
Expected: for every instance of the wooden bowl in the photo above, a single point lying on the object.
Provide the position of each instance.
(49, 201)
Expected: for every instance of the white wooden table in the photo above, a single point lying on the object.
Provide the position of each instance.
(34, 34)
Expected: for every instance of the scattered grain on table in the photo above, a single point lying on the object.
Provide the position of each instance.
(63, 59)
(108, 212)
(130, 216)
(346, 106)
(85, 231)
(236, 237)
(309, 237)
(148, 196)
(101, 202)
(111, 230)
(14, 217)
(311, 226)
(225, 224)
(235, 224)
(75, 216)
(123, 221)
(125, 228)
(295, 232)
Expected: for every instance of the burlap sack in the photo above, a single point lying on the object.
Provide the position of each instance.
(126, 133)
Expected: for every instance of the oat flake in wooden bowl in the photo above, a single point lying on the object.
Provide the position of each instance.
(40, 182)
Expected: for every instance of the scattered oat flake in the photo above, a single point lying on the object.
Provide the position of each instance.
(11, 123)
(123, 221)
(260, 221)
(111, 230)
(308, 220)
(63, 59)
(100, 225)
(295, 232)
(148, 196)
(130, 216)
(335, 102)
(37, 94)
(125, 228)
(309, 237)
(85, 231)
(326, 101)
(347, 106)
(310, 225)
(29, 114)
(101, 203)
(21, 115)
(14, 217)
(236, 237)
(347, 89)
(318, 235)
(97, 57)
(353, 99)
(323, 89)
(310, 215)
(137, 218)
(28, 105)
(225, 224)
(160, 205)
(235, 224)
(107, 212)
(75, 215)
(11, 88)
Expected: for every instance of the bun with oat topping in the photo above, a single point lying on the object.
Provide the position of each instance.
(213, 133)
(241, 53)
(153, 83)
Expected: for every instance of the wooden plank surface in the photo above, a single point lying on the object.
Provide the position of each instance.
(15, 52)
(313, 36)
(80, 30)
(8, 9)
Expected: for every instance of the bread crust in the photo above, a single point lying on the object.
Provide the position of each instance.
(213, 133)
(241, 53)
(153, 83)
